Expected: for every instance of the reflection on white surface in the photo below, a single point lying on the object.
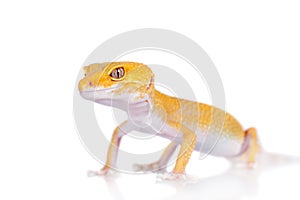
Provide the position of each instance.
(275, 176)
(235, 183)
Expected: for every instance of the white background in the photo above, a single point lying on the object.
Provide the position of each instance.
(255, 46)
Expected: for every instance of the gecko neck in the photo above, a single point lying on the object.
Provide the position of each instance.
(168, 103)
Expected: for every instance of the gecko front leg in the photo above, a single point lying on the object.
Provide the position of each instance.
(187, 147)
(112, 153)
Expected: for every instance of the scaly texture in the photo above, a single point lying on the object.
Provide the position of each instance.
(188, 123)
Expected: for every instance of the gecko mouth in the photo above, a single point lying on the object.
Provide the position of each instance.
(100, 89)
(98, 93)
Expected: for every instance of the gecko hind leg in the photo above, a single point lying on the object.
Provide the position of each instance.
(160, 165)
(252, 148)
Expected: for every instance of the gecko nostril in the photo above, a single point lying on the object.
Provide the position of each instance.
(90, 83)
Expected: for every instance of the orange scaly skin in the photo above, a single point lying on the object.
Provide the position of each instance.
(186, 123)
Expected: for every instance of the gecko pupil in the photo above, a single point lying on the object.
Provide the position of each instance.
(117, 73)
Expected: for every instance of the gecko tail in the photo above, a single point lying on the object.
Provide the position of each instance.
(267, 159)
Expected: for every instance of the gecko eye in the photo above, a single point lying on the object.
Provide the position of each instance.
(118, 73)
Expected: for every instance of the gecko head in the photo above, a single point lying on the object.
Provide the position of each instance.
(115, 81)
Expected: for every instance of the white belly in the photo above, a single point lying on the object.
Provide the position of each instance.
(212, 144)
(218, 145)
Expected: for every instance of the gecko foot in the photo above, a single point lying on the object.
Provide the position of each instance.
(172, 176)
(181, 178)
(103, 172)
(153, 167)
(251, 165)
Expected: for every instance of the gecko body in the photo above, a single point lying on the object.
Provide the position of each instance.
(193, 126)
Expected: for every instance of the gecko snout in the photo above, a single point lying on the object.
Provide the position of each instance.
(84, 85)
